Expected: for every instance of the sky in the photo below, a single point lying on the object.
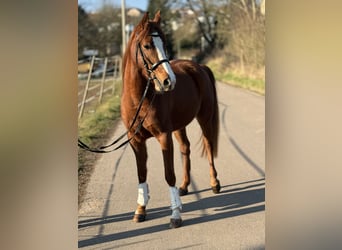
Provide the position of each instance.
(92, 5)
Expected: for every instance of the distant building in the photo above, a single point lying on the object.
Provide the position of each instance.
(134, 12)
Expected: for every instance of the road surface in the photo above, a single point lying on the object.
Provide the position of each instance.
(232, 219)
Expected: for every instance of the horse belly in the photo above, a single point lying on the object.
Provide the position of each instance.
(184, 110)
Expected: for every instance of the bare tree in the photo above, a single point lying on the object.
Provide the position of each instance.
(246, 35)
(234, 28)
(206, 19)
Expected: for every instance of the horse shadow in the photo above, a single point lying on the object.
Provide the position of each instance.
(230, 202)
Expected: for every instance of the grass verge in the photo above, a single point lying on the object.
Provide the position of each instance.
(94, 129)
(230, 76)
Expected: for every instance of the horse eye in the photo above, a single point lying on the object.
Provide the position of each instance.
(148, 46)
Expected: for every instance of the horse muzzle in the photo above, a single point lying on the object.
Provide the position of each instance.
(164, 86)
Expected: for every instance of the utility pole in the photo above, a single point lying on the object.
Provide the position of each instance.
(123, 25)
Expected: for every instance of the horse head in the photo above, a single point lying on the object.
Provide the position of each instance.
(148, 41)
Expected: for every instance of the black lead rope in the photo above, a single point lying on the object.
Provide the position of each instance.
(102, 149)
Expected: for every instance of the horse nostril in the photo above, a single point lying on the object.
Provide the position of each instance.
(167, 82)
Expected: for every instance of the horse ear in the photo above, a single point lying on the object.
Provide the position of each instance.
(157, 17)
(144, 19)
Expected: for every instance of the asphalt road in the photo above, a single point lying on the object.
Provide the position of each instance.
(232, 219)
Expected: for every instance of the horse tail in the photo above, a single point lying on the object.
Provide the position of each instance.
(215, 116)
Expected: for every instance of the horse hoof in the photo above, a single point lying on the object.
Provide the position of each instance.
(182, 191)
(174, 223)
(139, 217)
(216, 189)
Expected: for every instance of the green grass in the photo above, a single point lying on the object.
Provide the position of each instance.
(243, 81)
(96, 125)
(94, 129)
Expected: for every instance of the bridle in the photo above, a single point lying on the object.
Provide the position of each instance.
(146, 61)
(151, 77)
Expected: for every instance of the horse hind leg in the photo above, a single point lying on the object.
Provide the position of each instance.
(214, 182)
(184, 145)
(210, 142)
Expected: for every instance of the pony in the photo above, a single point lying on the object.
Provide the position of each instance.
(160, 98)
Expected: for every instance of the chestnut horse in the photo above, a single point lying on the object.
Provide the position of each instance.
(161, 97)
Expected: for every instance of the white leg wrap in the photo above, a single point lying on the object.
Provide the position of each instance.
(176, 214)
(143, 194)
(176, 204)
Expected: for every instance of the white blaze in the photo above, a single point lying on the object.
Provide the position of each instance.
(158, 43)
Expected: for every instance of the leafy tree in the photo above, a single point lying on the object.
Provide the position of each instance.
(108, 23)
(86, 31)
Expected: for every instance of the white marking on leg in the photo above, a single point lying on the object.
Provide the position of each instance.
(158, 43)
(143, 194)
(176, 204)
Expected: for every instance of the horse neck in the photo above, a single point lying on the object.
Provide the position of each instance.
(134, 81)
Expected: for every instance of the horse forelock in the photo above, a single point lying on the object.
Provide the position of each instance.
(149, 28)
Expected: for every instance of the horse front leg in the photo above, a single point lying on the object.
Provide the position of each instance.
(166, 143)
(139, 148)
